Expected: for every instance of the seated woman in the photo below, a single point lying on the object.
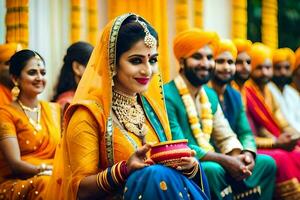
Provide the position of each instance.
(29, 131)
(118, 109)
(75, 61)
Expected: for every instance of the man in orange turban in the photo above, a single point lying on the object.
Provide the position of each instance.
(242, 63)
(296, 71)
(195, 113)
(6, 51)
(263, 168)
(275, 137)
(287, 97)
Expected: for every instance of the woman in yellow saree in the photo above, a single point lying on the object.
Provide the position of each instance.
(118, 109)
(29, 131)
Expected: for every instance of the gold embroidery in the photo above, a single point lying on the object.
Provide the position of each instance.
(163, 185)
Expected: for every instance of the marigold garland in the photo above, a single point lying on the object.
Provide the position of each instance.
(239, 19)
(270, 23)
(203, 135)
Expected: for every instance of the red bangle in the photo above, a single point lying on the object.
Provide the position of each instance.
(124, 170)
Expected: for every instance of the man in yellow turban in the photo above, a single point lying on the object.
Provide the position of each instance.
(296, 71)
(6, 51)
(242, 63)
(195, 113)
(275, 137)
(287, 97)
(262, 167)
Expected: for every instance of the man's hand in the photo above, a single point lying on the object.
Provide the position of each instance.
(285, 141)
(236, 167)
(248, 160)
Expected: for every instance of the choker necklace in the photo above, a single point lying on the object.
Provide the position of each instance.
(35, 109)
(36, 124)
(129, 113)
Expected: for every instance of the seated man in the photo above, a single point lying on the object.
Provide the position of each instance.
(242, 64)
(274, 136)
(195, 114)
(287, 97)
(264, 168)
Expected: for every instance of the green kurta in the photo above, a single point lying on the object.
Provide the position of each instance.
(222, 136)
(221, 184)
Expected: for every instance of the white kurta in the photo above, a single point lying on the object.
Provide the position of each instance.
(289, 103)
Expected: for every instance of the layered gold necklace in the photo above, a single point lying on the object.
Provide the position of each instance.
(35, 123)
(129, 113)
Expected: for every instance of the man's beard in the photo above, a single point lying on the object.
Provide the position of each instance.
(281, 81)
(261, 80)
(221, 82)
(5, 78)
(191, 74)
(240, 79)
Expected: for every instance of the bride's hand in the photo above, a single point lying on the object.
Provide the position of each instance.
(187, 163)
(138, 159)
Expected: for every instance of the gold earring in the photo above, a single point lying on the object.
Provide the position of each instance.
(15, 92)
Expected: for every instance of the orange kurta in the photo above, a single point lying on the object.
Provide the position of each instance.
(35, 148)
(5, 95)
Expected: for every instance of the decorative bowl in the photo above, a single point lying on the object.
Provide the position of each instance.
(169, 153)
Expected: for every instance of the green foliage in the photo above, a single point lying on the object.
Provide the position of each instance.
(289, 23)
(254, 20)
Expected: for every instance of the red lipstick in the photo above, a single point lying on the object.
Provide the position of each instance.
(142, 81)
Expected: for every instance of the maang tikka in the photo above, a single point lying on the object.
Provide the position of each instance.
(149, 40)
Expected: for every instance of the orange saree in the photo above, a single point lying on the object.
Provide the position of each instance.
(36, 147)
(5, 95)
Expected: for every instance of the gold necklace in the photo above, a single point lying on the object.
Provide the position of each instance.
(129, 113)
(36, 124)
(28, 108)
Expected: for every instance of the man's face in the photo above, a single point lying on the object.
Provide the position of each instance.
(263, 73)
(225, 68)
(243, 67)
(199, 66)
(282, 73)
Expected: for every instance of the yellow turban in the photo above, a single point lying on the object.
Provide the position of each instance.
(7, 50)
(226, 45)
(284, 54)
(297, 63)
(242, 45)
(188, 42)
(259, 53)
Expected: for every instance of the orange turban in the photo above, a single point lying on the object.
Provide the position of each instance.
(7, 50)
(242, 45)
(226, 45)
(284, 54)
(259, 53)
(297, 63)
(188, 42)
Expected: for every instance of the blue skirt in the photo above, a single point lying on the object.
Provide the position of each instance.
(160, 182)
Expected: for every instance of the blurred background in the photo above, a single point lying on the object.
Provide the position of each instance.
(50, 26)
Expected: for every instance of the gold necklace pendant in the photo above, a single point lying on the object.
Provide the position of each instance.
(35, 123)
(28, 108)
(130, 114)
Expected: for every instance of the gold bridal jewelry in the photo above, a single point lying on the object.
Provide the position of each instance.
(129, 113)
(36, 124)
(149, 40)
(15, 91)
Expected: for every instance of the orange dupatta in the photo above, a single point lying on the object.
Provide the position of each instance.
(261, 111)
(94, 93)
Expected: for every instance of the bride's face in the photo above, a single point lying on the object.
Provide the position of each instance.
(136, 68)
